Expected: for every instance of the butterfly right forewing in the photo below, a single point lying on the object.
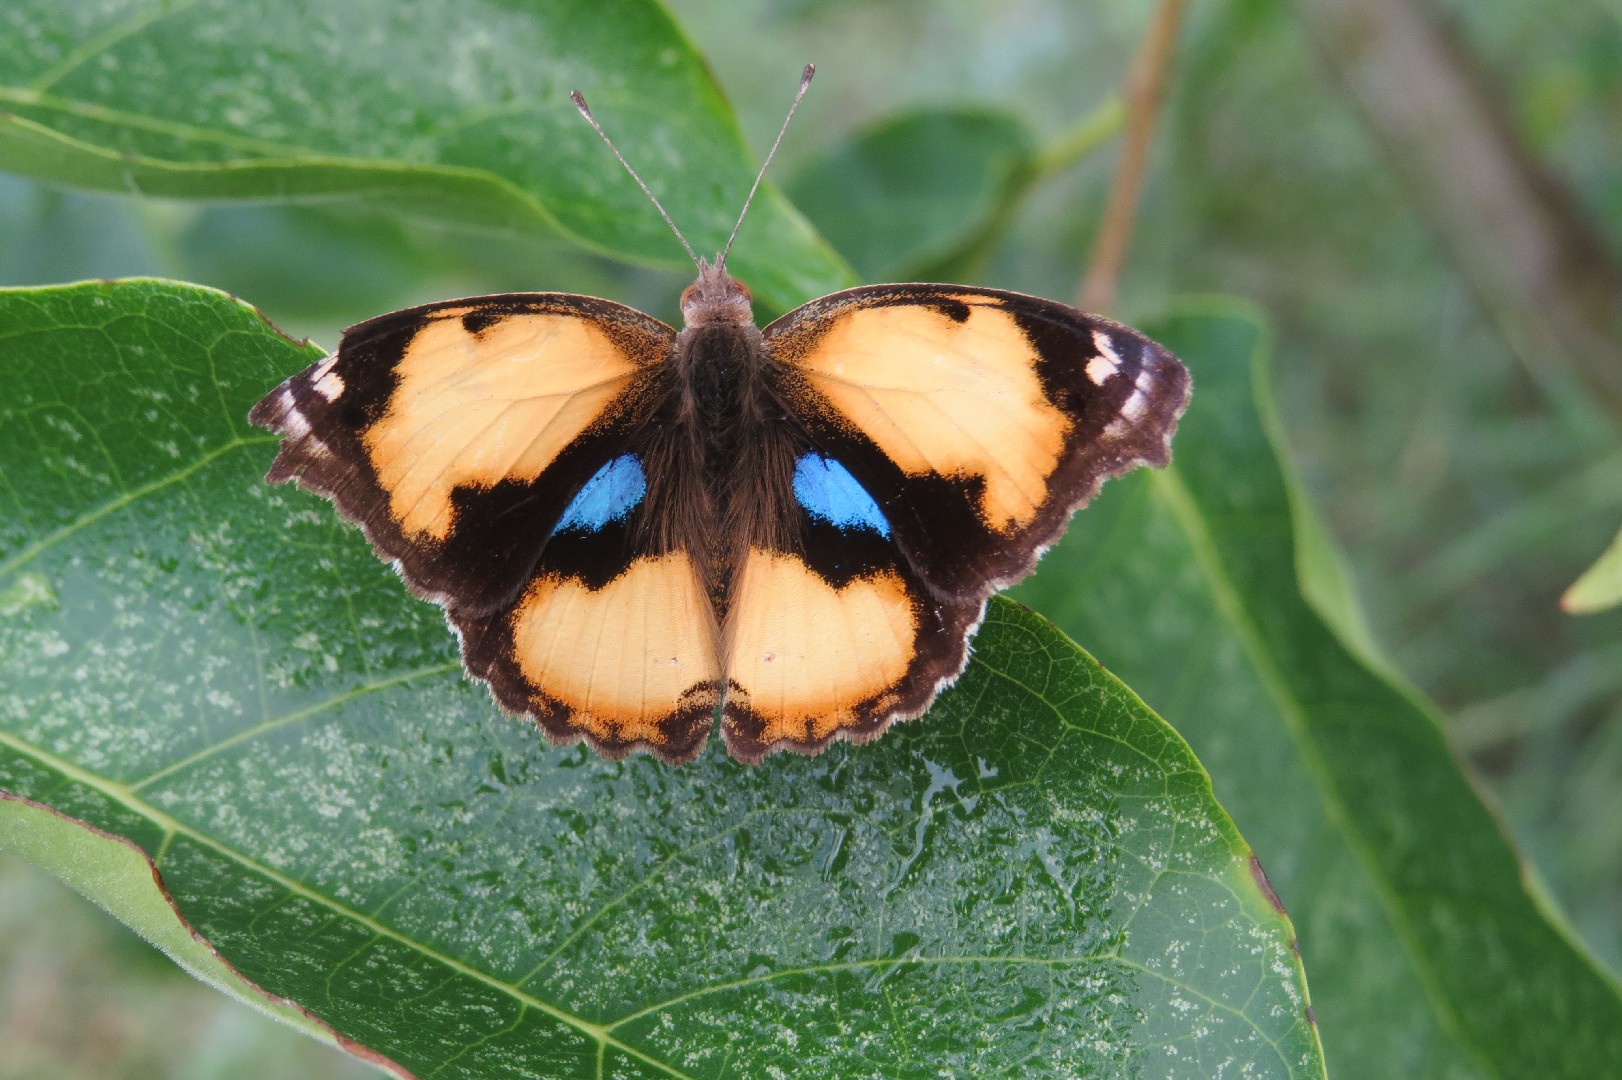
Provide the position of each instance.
(980, 420)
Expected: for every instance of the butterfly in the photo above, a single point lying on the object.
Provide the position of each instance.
(634, 529)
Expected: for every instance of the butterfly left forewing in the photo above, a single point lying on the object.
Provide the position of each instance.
(456, 433)
(979, 420)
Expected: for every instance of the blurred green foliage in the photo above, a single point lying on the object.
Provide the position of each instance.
(1467, 490)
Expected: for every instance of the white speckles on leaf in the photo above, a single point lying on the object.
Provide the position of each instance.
(1016, 883)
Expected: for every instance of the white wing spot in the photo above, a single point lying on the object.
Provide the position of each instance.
(1132, 411)
(291, 420)
(1107, 362)
(1102, 342)
(330, 385)
(294, 424)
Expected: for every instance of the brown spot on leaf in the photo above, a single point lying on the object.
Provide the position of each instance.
(1260, 877)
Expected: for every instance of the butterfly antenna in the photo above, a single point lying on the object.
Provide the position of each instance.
(585, 110)
(805, 81)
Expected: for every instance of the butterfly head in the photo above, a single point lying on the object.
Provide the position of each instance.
(716, 296)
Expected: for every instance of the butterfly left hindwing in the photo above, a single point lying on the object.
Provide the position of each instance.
(833, 634)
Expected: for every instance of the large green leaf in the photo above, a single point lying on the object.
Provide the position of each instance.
(912, 192)
(1035, 878)
(457, 111)
(922, 196)
(1432, 952)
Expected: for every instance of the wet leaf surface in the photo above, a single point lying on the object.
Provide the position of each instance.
(1035, 879)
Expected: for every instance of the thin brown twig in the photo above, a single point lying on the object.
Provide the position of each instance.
(1145, 87)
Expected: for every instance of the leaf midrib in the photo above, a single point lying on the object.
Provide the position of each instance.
(170, 827)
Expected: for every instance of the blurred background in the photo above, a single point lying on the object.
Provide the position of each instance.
(1424, 197)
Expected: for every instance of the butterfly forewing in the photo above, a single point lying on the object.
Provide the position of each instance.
(432, 428)
(978, 420)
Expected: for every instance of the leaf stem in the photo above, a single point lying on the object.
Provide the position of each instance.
(1145, 86)
(1087, 135)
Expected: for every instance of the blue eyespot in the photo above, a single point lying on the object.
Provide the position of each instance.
(829, 492)
(609, 495)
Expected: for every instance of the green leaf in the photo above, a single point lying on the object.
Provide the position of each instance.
(458, 112)
(120, 877)
(1034, 879)
(1433, 952)
(1600, 586)
(915, 190)
(922, 196)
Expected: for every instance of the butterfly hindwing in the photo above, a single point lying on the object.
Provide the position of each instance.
(833, 635)
(611, 639)
(978, 420)
(456, 433)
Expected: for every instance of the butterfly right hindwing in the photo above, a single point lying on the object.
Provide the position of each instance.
(833, 634)
(611, 639)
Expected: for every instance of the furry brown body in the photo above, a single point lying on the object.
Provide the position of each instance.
(721, 452)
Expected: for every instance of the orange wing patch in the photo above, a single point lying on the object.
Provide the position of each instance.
(478, 408)
(805, 659)
(959, 398)
(624, 664)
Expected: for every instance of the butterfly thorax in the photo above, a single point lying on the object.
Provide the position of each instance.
(731, 433)
(716, 358)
